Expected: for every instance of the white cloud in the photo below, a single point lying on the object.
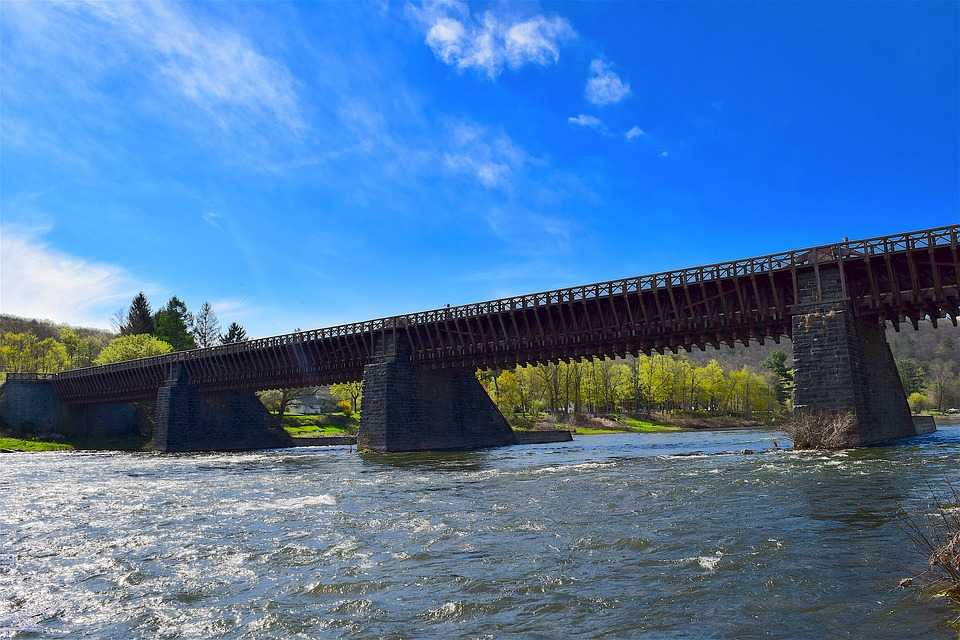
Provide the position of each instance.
(210, 66)
(634, 132)
(37, 281)
(590, 122)
(213, 219)
(664, 154)
(604, 86)
(491, 42)
(488, 157)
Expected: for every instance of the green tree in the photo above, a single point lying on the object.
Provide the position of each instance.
(776, 363)
(918, 402)
(139, 317)
(52, 356)
(352, 392)
(206, 327)
(131, 348)
(235, 333)
(174, 325)
(276, 400)
(19, 351)
(912, 375)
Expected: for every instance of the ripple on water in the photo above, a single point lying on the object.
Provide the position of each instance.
(614, 536)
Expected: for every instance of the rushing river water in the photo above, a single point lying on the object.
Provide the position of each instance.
(604, 537)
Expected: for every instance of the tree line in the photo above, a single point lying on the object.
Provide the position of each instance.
(636, 385)
(142, 333)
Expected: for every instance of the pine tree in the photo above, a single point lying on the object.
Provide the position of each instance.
(174, 325)
(235, 333)
(139, 317)
(206, 328)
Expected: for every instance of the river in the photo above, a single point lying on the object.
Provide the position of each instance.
(604, 537)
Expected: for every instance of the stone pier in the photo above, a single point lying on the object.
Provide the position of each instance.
(406, 408)
(187, 420)
(844, 364)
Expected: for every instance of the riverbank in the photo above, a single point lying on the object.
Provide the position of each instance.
(16, 445)
(654, 423)
(322, 425)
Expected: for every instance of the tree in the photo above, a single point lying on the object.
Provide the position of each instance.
(139, 317)
(132, 347)
(776, 363)
(912, 375)
(173, 325)
(19, 352)
(235, 333)
(918, 402)
(52, 356)
(352, 392)
(276, 400)
(206, 327)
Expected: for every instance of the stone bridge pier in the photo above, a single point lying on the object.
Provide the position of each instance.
(188, 420)
(843, 363)
(408, 408)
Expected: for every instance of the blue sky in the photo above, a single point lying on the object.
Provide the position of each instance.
(301, 165)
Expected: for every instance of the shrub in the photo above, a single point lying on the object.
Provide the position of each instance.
(937, 537)
(918, 402)
(822, 430)
(345, 407)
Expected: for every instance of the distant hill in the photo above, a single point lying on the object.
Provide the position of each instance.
(924, 345)
(48, 329)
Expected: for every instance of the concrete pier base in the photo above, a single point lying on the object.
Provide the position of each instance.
(844, 364)
(406, 408)
(187, 420)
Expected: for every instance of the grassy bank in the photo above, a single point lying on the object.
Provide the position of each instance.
(656, 423)
(18, 444)
(321, 425)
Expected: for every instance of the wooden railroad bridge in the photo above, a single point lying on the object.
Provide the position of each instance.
(832, 300)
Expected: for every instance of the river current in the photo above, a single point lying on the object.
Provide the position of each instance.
(621, 536)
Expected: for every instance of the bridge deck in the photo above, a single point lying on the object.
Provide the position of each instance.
(899, 277)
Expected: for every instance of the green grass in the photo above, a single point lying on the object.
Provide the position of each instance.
(16, 444)
(643, 426)
(321, 425)
(627, 424)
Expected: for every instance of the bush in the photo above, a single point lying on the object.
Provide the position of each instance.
(822, 430)
(345, 407)
(937, 536)
(918, 402)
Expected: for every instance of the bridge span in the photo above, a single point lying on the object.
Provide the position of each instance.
(833, 301)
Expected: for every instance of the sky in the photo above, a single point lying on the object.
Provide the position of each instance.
(304, 165)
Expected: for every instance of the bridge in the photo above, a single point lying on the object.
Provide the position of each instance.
(833, 301)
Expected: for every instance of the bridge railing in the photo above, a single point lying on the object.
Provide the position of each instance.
(781, 261)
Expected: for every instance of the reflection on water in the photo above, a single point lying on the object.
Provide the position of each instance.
(653, 535)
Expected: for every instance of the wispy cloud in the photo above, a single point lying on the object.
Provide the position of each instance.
(213, 219)
(38, 281)
(491, 42)
(604, 86)
(530, 232)
(203, 63)
(634, 132)
(490, 158)
(590, 122)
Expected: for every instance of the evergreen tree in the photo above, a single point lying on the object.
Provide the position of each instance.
(776, 363)
(139, 317)
(206, 327)
(174, 325)
(235, 333)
